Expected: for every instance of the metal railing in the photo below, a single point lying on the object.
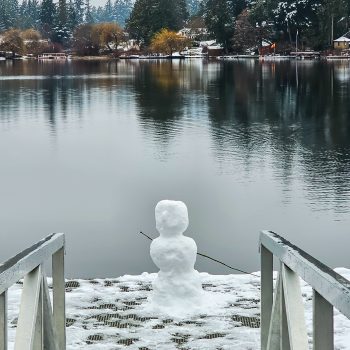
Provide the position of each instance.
(283, 323)
(40, 325)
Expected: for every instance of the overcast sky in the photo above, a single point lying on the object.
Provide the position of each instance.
(98, 2)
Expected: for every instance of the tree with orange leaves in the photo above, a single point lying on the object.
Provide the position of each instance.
(167, 42)
(107, 35)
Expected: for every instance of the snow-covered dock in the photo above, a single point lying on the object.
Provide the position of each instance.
(112, 314)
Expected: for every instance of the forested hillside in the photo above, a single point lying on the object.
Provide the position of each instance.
(32, 13)
(233, 23)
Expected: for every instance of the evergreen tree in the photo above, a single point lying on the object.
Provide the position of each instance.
(88, 12)
(193, 7)
(183, 13)
(122, 10)
(2, 22)
(3, 25)
(150, 16)
(29, 14)
(72, 19)
(13, 10)
(333, 15)
(245, 34)
(295, 16)
(98, 14)
(62, 13)
(8, 14)
(79, 8)
(47, 16)
(108, 15)
(220, 18)
(34, 13)
(317, 22)
(62, 32)
(23, 18)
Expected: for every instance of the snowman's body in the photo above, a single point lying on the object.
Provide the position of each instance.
(178, 283)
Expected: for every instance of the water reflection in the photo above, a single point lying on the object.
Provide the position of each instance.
(235, 140)
(60, 90)
(158, 95)
(297, 112)
(304, 125)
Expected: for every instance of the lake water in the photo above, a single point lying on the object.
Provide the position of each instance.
(89, 148)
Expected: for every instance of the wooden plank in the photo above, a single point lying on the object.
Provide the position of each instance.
(3, 321)
(38, 332)
(273, 341)
(329, 284)
(50, 339)
(266, 294)
(284, 341)
(294, 309)
(59, 305)
(28, 310)
(20, 265)
(323, 323)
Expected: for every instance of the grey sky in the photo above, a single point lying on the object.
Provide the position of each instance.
(98, 2)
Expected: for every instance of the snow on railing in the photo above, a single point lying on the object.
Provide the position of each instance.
(283, 323)
(40, 325)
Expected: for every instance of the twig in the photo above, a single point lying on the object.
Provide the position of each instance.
(217, 261)
(146, 236)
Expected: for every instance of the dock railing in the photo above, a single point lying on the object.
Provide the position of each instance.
(283, 325)
(40, 325)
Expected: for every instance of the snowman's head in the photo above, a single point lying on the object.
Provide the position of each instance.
(171, 218)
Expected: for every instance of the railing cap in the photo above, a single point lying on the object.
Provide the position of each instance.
(328, 283)
(18, 266)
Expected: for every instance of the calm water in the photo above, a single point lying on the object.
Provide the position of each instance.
(89, 148)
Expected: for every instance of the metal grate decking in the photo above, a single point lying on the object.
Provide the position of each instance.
(109, 312)
(120, 323)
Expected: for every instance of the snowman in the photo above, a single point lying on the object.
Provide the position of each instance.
(178, 287)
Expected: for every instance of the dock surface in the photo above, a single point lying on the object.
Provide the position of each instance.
(112, 314)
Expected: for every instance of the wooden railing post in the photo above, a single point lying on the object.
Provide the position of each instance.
(288, 326)
(37, 327)
(58, 286)
(266, 294)
(284, 340)
(3, 320)
(274, 338)
(38, 333)
(27, 319)
(323, 323)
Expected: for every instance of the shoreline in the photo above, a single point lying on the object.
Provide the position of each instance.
(93, 58)
(187, 58)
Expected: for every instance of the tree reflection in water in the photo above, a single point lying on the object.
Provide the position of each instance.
(90, 147)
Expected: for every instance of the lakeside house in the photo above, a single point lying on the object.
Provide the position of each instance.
(342, 43)
(40, 41)
(195, 29)
(193, 33)
(212, 48)
(129, 45)
(267, 48)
